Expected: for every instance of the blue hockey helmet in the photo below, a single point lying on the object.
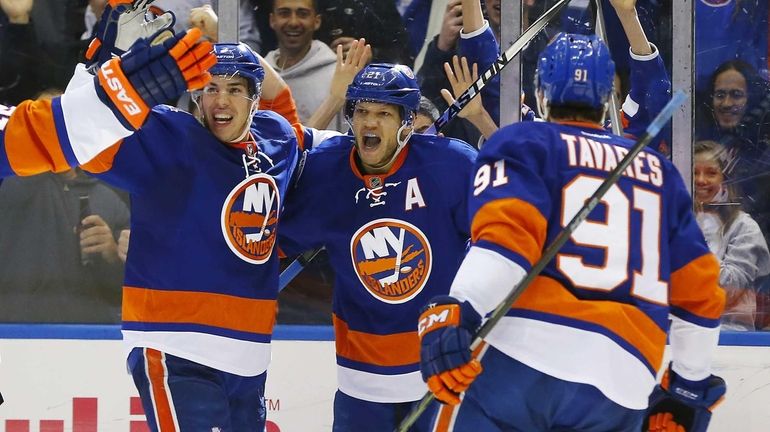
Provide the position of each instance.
(576, 69)
(238, 59)
(385, 83)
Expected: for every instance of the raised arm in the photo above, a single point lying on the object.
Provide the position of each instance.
(356, 58)
(461, 77)
(637, 39)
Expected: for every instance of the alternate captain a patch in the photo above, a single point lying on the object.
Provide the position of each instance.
(392, 259)
(250, 216)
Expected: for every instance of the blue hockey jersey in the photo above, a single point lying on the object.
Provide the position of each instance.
(394, 240)
(599, 311)
(201, 276)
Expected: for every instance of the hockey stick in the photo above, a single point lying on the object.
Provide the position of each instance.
(296, 266)
(461, 101)
(453, 110)
(617, 126)
(652, 130)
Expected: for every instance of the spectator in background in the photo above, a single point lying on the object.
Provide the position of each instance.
(378, 21)
(39, 45)
(732, 235)
(64, 267)
(307, 65)
(735, 115)
(432, 77)
(427, 113)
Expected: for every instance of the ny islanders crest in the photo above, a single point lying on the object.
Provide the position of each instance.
(250, 216)
(392, 259)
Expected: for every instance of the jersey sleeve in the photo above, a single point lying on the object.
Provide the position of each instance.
(695, 295)
(145, 159)
(696, 300)
(650, 91)
(300, 223)
(509, 199)
(56, 135)
(481, 47)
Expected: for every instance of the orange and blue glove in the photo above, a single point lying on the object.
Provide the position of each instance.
(679, 405)
(446, 330)
(146, 75)
(122, 23)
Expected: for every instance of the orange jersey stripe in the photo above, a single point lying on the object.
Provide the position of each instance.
(381, 350)
(625, 320)
(512, 223)
(189, 307)
(444, 417)
(103, 161)
(695, 288)
(156, 372)
(31, 142)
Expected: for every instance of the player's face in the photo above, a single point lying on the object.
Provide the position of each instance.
(729, 98)
(708, 177)
(294, 22)
(226, 105)
(375, 126)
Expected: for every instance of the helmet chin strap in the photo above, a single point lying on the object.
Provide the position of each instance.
(247, 126)
(401, 143)
(542, 105)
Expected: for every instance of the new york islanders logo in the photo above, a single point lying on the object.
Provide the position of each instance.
(250, 216)
(392, 259)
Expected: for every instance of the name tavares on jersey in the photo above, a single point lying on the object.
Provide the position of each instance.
(589, 153)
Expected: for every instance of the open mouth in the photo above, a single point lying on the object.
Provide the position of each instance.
(222, 119)
(293, 34)
(371, 141)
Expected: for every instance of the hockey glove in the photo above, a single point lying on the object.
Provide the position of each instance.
(446, 329)
(146, 76)
(122, 23)
(680, 403)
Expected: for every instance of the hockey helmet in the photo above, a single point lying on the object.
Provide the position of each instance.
(239, 59)
(576, 69)
(385, 83)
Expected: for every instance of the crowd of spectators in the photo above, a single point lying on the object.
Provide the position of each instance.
(41, 41)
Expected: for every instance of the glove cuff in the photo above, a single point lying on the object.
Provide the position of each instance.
(115, 90)
(443, 311)
(706, 393)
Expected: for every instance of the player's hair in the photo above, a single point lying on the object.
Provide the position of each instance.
(577, 113)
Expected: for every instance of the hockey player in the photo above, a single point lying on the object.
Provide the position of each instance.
(390, 208)
(580, 348)
(199, 299)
